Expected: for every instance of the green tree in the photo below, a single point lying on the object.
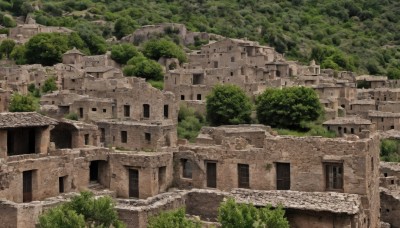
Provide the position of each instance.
(288, 107)
(189, 123)
(49, 85)
(95, 213)
(124, 26)
(18, 54)
(172, 219)
(234, 215)
(7, 47)
(145, 68)
(62, 218)
(228, 104)
(46, 48)
(22, 103)
(8, 21)
(155, 49)
(123, 52)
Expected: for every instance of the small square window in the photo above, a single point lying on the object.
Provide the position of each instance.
(94, 109)
(104, 110)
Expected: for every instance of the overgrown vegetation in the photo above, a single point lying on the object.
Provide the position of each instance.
(23, 103)
(172, 219)
(390, 150)
(189, 123)
(232, 214)
(71, 116)
(228, 104)
(340, 34)
(82, 211)
(49, 85)
(288, 108)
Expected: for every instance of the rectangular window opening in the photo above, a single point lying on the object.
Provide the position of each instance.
(124, 136)
(243, 176)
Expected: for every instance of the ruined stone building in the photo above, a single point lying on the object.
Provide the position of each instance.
(23, 32)
(331, 181)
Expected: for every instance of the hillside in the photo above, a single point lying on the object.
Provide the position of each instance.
(344, 34)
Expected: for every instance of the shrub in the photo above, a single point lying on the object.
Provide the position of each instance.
(22, 103)
(172, 219)
(228, 104)
(155, 49)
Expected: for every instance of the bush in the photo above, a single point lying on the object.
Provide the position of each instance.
(144, 68)
(123, 52)
(172, 219)
(157, 84)
(231, 214)
(71, 116)
(98, 212)
(228, 104)
(189, 123)
(49, 85)
(288, 107)
(155, 49)
(23, 103)
(390, 150)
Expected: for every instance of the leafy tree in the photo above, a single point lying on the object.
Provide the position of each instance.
(46, 48)
(7, 47)
(124, 26)
(228, 104)
(33, 90)
(145, 68)
(231, 214)
(8, 21)
(49, 85)
(189, 123)
(155, 49)
(61, 217)
(94, 212)
(172, 219)
(22, 103)
(390, 150)
(71, 116)
(94, 41)
(123, 52)
(18, 54)
(288, 107)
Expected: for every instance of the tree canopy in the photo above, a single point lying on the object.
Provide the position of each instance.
(6, 47)
(228, 104)
(121, 53)
(83, 211)
(288, 107)
(22, 103)
(155, 49)
(172, 219)
(49, 85)
(232, 214)
(140, 66)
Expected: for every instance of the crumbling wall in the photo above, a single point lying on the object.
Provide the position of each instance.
(390, 207)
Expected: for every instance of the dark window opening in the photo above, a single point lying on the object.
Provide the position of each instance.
(243, 176)
(166, 111)
(127, 110)
(385, 174)
(392, 182)
(21, 141)
(392, 127)
(86, 139)
(231, 73)
(104, 110)
(352, 130)
(334, 176)
(61, 184)
(147, 137)
(186, 168)
(282, 176)
(232, 59)
(27, 177)
(372, 163)
(124, 136)
(146, 111)
(198, 79)
(211, 174)
(80, 112)
(215, 64)
(94, 109)
(345, 130)
(199, 97)
(182, 97)
(162, 175)
(94, 171)
(133, 183)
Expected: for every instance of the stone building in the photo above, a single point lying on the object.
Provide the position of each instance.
(385, 121)
(390, 192)
(371, 82)
(232, 162)
(361, 107)
(349, 125)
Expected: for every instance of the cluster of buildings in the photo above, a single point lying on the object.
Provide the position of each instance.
(124, 142)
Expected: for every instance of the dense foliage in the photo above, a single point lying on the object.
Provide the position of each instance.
(143, 67)
(189, 123)
(390, 150)
(23, 103)
(360, 35)
(234, 215)
(155, 49)
(82, 211)
(6, 47)
(228, 104)
(288, 107)
(49, 85)
(172, 219)
(122, 53)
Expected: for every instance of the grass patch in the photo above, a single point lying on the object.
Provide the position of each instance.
(156, 84)
(309, 129)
